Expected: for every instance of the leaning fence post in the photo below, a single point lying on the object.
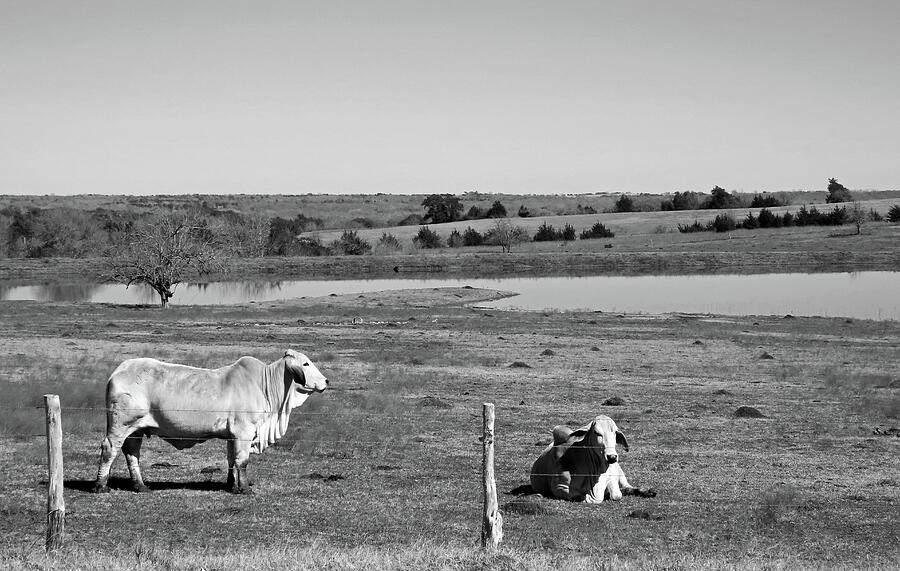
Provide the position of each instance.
(492, 522)
(56, 505)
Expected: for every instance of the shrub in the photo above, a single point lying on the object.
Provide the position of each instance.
(688, 228)
(524, 212)
(388, 243)
(598, 230)
(787, 219)
(361, 222)
(351, 244)
(769, 220)
(894, 213)
(809, 217)
(309, 246)
(411, 220)
(472, 237)
(455, 240)
(545, 233)
(585, 209)
(837, 217)
(427, 238)
(568, 232)
(750, 222)
(874, 216)
(724, 223)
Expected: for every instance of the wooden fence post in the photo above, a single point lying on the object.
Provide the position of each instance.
(492, 522)
(56, 505)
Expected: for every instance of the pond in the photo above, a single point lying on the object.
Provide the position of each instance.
(867, 295)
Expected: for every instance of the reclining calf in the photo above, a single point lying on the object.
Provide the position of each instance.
(581, 465)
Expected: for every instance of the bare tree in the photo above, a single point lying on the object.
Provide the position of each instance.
(857, 215)
(506, 235)
(162, 251)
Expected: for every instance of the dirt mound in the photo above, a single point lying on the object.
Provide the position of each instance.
(748, 412)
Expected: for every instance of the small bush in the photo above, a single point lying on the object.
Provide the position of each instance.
(568, 232)
(388, 243)
(769, 220)
(750, 222)
(427, 238)
(351, 244)
(767, 201)
(688, 228)
(874, 216)
(598, 230)
(455, 240)
(311, 246)
(524, 212)
(894, 213)
(724, 223)
(545, 233)
(474, 213)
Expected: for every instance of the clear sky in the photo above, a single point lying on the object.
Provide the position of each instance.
(423, 96)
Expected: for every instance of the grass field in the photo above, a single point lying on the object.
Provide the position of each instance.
(383, 470)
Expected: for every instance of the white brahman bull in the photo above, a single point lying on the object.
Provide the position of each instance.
(581, 465)
(247, 403)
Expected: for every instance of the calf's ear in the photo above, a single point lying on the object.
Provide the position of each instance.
(620, 440)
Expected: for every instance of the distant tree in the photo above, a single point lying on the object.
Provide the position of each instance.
(750, 222)
(837, 192)
(244, 236)
(624, 204)
(440, 208)
(894, 213)
(497, 210)
(506, 235)
(162, 251)
(720, 198)
(769, 220)
(524, 212)
(568, 232)
(687, 200)
(474, 213)
(766, 201)
(472, 237)
(427, 238)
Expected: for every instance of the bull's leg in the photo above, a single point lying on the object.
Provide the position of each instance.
(108, 451)
(132, 450)
(238, 458)
(598, 492)
(629, 490)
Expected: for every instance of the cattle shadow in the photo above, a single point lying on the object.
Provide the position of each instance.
(124, 484)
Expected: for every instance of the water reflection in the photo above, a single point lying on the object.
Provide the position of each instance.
(870, 295)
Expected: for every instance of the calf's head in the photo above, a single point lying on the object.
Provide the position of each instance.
(305, 375)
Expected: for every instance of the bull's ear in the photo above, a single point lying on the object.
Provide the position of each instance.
(620, 439)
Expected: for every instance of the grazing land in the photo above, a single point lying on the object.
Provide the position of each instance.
(383, 469)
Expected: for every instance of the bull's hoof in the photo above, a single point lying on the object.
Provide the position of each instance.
(244, 490)
(100, 489)
(140, 488)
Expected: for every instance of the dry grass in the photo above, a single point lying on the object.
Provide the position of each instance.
(382, 471)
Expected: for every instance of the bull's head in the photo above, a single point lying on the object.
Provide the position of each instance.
(608, 434)
(306, 376)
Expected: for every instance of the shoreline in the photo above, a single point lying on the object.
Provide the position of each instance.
(16, 271)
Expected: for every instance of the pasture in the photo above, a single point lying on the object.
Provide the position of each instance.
(383, 469)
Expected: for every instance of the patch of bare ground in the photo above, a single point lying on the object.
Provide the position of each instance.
(809, 484)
